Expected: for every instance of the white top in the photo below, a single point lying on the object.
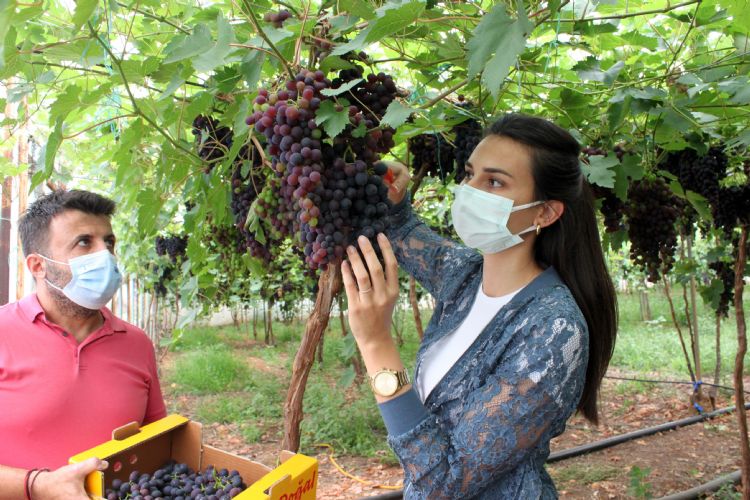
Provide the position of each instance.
(444, 353)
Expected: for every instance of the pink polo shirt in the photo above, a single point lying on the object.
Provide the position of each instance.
(58, 397)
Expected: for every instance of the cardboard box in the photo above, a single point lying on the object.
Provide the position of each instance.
(178, 438)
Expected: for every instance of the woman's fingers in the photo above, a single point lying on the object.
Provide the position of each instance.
(350, 284)
(377, 278)
(359, 269)
(391, 265)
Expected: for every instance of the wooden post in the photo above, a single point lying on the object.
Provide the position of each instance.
(23, 199)
(5, 213)
(694, 314)
(739, 389)
(329, 286)
(645, 306)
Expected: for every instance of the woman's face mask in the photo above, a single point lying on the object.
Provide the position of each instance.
(95, 279)
(481, 219)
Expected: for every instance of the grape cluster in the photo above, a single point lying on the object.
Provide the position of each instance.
(698, 173)
(178, 482)
(165, 276)
(732, 207)
(174, 246)
(651, 213)
(612, 207)
(725, 273)
(212, 140)
(432, 155)
(323, 195)
(277, 18)
(468, 135)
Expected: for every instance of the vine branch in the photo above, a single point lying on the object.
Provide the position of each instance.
(133, 100)
(669, 8)
(156, 17)
(251, 17)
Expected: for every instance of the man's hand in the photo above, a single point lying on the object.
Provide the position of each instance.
(66, 483)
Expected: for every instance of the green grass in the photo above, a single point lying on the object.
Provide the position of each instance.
(210, 370)
(583, 473)
(213, 363)
(654, 346)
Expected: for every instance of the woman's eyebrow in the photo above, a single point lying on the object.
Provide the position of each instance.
(491, 170)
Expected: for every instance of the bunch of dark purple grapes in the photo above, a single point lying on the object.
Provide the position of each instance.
(725, 272)
(277, 18)
(212, 140)
(323, 195)
(651, 212)
(173, 245)
(698, 173)
(175, 481)
(431, 155)
(468, 135)
(165, 276)
(732, 208)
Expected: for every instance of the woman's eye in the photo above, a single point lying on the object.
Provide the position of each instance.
(495, 183)
(83, 243)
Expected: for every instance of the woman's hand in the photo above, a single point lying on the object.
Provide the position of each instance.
(372, 292)
(397, 180)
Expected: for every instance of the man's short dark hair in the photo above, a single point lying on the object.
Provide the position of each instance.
(33, 227)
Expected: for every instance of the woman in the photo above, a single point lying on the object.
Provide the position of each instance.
(523, 329)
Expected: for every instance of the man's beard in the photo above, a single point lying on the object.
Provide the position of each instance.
(66, 306)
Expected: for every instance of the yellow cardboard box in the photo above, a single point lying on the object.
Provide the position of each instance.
(178, 438)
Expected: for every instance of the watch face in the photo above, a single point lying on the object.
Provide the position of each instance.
(385, 383)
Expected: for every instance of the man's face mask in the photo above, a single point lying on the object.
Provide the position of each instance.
(95, 279)
(481, 219)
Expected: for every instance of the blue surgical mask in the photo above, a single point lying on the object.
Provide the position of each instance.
(95, 279)
(481, 219)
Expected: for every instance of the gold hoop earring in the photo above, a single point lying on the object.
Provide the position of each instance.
(538, 229)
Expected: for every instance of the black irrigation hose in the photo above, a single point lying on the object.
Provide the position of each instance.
(714, 485)
(671, 382)
(609, 442)
(393, 495)
(629, 436)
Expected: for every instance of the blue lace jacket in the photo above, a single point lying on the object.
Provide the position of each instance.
(484, 430)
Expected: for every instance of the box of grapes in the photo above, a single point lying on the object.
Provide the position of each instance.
(167, 459)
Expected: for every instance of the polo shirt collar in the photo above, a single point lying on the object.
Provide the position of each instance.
(31, 308)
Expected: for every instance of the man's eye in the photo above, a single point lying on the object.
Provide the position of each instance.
(83, 243)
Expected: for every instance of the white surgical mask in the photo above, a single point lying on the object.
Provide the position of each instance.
(481, 219)
(95, 279)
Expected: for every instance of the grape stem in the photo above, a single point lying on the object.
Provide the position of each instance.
(251, 17)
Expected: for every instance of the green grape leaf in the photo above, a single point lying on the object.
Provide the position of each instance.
(207, 60)
(83, 12)
(332, 121)
(189, 46)
(600, 170)
(340, 90)
(396, 114)
(495, 45)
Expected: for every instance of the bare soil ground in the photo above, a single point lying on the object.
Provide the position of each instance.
(650, 467)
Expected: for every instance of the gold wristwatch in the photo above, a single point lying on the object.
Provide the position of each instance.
(387, 382)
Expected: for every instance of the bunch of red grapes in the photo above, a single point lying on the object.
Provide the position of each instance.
(326, 191)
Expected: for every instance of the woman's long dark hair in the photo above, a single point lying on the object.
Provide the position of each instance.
(571, 245)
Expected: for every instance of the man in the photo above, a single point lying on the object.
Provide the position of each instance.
(70, 371)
